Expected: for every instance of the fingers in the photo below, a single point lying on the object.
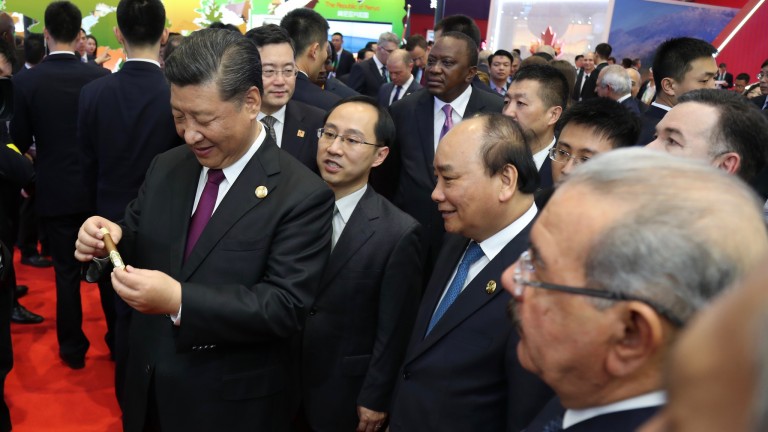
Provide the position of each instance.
(89, 238)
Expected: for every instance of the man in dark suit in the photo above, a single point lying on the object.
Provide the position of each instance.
(124, 122)
(355, 336)
(403, 82)
(584, 83)
(45, 112)
(368, 76)
(292, 124)
(417, 47)
(234, 295)
(458, 375)
(762, 101)
(613, 82)
(342, 59)
(614, 323)
(421, 122)
(468, 26)
(724, 79)
(309, 32)
(536, 99)
(679, 66)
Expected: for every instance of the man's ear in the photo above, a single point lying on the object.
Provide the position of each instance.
(554, 114)
(508, 178)
(730, 162)
(639, 341)
(381, 155)
(252, 102)
(471, 74)
(668, 86)
(164, 37)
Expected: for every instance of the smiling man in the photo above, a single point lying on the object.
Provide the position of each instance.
(619, 261)
(225, 244)
(459, 372)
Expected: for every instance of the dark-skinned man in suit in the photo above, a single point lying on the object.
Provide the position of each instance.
(233, 230)
(355, 336)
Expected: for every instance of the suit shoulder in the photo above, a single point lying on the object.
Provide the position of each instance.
(492, 101)
(314, 114)
(396, 218)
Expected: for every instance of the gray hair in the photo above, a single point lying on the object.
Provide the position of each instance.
(669, 246)
(388, 37)
(224, 57)
(618, 78)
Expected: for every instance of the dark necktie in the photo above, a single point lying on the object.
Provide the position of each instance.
(204, 209)
(384, 73)
(765, 105)
(473, 253)
(397, 94)
(448, 123)
(270, 122)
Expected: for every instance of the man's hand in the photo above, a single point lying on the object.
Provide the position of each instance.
(370, 421)
(147, 291)
(89, 242)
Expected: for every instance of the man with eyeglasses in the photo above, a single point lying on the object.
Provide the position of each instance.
(619, 260)
(355, 336)
(460, 373)
(762, 101)
(291, 123)
(368, 76)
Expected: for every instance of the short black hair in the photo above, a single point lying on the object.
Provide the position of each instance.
(674, 56)
(740, 127)
(578, 57)
(221, 25)
(722, 65)
(500, 52)
(504, 142)
(603, 50)
(141, 21)
(8, 51)
(269, 34)
(553, 86)
(361, 52)
(468, 42)
(305, 26)
(414, 41)
(461, 24)
(626, 62)
(384, 129)
(369, 45)
(606, 118)
(338, 34)
(743, 76)
(34, 48)
(62, 20)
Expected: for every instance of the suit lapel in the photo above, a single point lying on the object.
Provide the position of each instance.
(241, 198)
(425, 116)
(356, 233)
(291, 143)
(474, 295)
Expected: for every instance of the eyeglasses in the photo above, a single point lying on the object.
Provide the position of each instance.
(525, 268)
(287, 73)
(348, 140)
(762, 75)
(390, 51)
(562, 156)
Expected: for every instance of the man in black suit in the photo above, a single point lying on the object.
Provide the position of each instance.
(613, 83)
(291, 124)
(421, 121)
(468, 26)
(762, 101)
(596, 281)
(220, 300)
(724, 79)
(458, 375)
(355, 336)
(45, 110)
(679, 66)
(368, 76)
(584, 83)
(124, 122)
(403, 82)
(342, 59)
(309, 32)
(417, 47)
(536, 99)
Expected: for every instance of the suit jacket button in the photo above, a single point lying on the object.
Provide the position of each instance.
(406, 375)
(148, 368)
(312, 312)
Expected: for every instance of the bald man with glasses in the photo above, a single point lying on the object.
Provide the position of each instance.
(618, 263)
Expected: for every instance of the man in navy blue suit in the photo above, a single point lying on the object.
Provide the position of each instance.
(613, 82)
(460, 371)
(45, 112)
(124, 122)
(619, 260)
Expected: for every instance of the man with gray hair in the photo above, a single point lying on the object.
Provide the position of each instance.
(613, 82)
(619, 260)
(368, 76)
(245, 266)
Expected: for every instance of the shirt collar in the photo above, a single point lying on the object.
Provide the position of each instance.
(154, 62)
(573, 416)
(233, 171)
(541, 156)
(407, 83)
(348, 204)
(64, 52)
(459, 104)
(495, 243)
(623, 98)
(379, 64)
(279, 115)
(658, 105)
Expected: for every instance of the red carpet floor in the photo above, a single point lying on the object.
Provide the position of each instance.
(41, 391)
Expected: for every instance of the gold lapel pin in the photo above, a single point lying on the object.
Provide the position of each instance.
(490, 288)
(261, 192)
(300, 133)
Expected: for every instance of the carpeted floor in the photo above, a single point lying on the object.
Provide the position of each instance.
(41, 391)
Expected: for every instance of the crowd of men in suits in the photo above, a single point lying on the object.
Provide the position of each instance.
(390, 242)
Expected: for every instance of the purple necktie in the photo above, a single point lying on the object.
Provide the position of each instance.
(448, 124)
(204, 209)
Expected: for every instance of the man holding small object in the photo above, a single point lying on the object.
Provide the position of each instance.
(229, 232)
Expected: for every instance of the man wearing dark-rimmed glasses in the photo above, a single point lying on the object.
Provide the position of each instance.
(619, 260)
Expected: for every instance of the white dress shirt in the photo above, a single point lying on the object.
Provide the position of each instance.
(543, 154)
(647, 400)
(403, 88)
(459, 106)
(279, 115)
(345, 207)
